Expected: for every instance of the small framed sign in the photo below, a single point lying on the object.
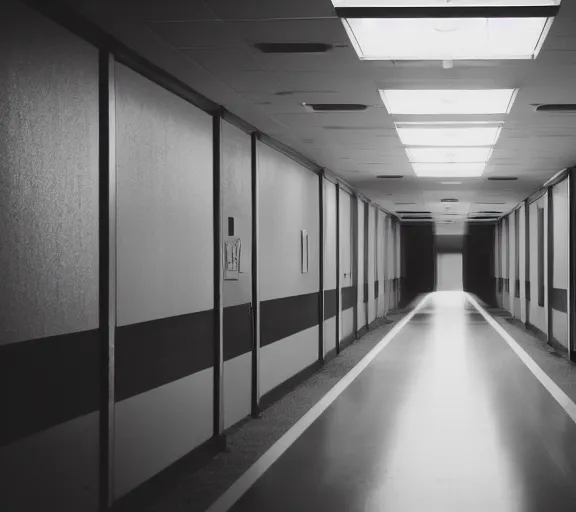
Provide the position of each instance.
(232, 256)
(305, 252)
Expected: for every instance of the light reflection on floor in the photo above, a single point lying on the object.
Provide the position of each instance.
(433, 460)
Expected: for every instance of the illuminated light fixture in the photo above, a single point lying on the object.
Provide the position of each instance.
(471, 170)
(436, 39)
(448, 101)
(447, 30)
(484, 136)
(449, 155)
(441, 3)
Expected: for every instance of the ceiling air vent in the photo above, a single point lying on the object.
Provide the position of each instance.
(569, 108)
(391, 177)
(449, 200)
(293, 47)
(502, 178)
(335, 107)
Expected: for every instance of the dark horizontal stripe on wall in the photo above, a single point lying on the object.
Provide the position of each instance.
(280, 318)
(330, 303)
(151, 354)
(527, 290)
(46, 382)
(237, 322)
(348, 297)
(506, 285)
(517, 288)
(560, 300)
(449, 243)
(376, 289)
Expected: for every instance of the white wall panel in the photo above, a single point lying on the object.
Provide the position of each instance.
(169, 422)
(288, 195)
(522, 228)
(561, 270)
(347, 323)
(512, 263)
(285, 358)
(237, 203)
(329, 335)
(164, 175)
(49, 179)
(237, 389)
(371, 262)
(330, 235)
(345, 240)
(538, 314)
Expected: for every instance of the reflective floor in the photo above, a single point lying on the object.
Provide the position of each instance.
(446, 418)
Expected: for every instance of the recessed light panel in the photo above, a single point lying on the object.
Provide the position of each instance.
(485, 136)
(449, 170)
(448, 101)
(440, 3)
(449, 155)
(446, 38)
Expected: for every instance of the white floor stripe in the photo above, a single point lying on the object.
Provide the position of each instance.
(238, 488)
(562, 398)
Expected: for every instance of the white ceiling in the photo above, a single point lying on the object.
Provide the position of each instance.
(208, 44)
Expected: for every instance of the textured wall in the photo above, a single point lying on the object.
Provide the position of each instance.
(288, 204)
(48, 179)
(165, 234)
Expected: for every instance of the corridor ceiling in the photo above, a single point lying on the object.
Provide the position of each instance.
(209, 45)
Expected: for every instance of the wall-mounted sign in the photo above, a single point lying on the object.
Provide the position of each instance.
(232, 257)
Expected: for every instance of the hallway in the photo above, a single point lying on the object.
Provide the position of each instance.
(446, 417)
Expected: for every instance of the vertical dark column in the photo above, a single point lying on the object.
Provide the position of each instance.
(540, 218)
(517, 254)
(572, 265)
(338, 281)
(376, 263)
(386, 290)
(354, 255)
(321, 247)
(255, 284)
(107, 286)
(218, 328)
(366, 263)
(527, 259)
(550, 266)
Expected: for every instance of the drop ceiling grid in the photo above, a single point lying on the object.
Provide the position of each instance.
(232, 73)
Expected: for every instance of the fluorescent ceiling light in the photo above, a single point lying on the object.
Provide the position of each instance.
(449, 155)
(448, 101)
(449, 170)
(485, 136)
(447, 38)
(440, 3)
(402, 124)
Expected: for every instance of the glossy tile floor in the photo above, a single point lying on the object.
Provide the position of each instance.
(446, 418)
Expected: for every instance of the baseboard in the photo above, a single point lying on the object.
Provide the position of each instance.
(362, 332)
(541, 335)
(346, 342)
(148, 492)
(272, 396)
(331, 354)
(558, 347)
